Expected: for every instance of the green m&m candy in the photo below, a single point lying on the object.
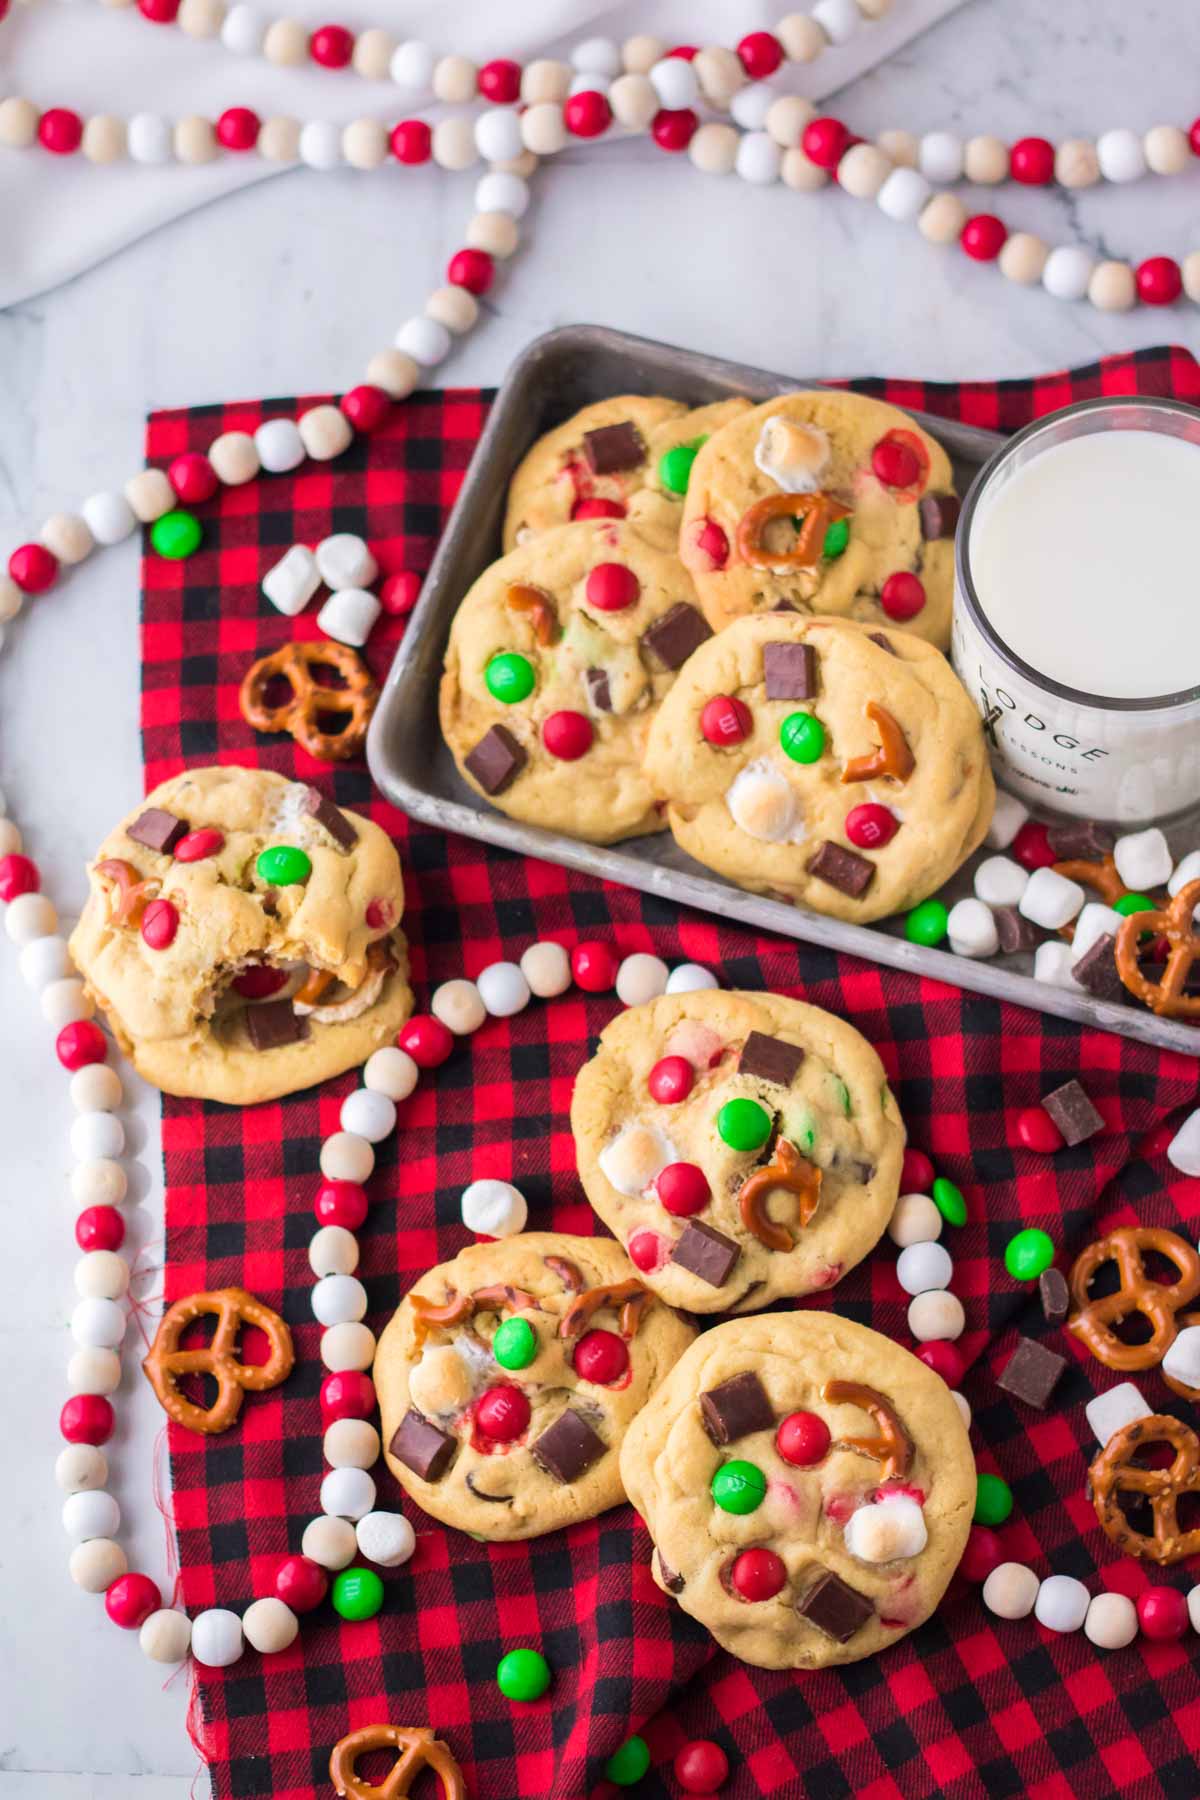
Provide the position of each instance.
(993, 1500)
(1028, 1254)
(283, 865)
(837, 536)
(357, 1593)
(739, 1487)
(629, 1763)
(802, 737)
(1131, 903)
(523, 1675)
(744, 1124)
(176, 535)
(949, 1201)
(675, 468)
(927, 924)
(515, 1344)
(509, 678)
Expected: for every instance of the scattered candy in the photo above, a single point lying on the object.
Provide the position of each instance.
(349, 616)
(494, 1209)
(1050, 899)
(949, 1201)
(1143, 859)
(700, 1767)
(1007, 819)
(972, 929)
(993, 1500)
(1073, 1113)
(999, 881)
(176, 535)
(1028, 1253)
(927, 923)
(1011, 1590)
(1181, 1363)
(1036, 1130)
(1183, 1151)
(916, 1172)
(982, 1555)
(293, 581)
(301, 1583)
(357, 1593)
(1031, 846)
(523, 1675)
(627, 1765)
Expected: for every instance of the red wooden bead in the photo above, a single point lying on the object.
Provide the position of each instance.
(502, 1413)
(586, 115)
(682, 1189)
(33, 568)
(411, 141)
(1031, 161)
(18, 875)
(471, 269)
(198, 845)
(611, 587)
(984, 1552)
(1037, 1131)
(825, 142)
(426, 1040)
(159, 12)
(983, 237)
(761, 54)
(366, 407)
(870, 826)
(160, 922)
(601, 1357)
(757, 1575)
(916, 1172)
(500, 81)
(701, 1767)
(673, 128)
(567, 735)
(712, 543)
(902, 595)
(87, 1419)
(130, 1600)
(341, 1203)
(332, 46)
(945, 1359)
(400, 593)
(598, 509)
(685, 52)
(237, 128)
(259, 981)
(1159, 282)
(802, 1439)
(671, 1080)
(895, 463)
(60, 131)
(1031, 846)
(80, 1043)
(301, 1583)
(347, 1395)
(725, 721)
(594, 966)
(193, 477)
(643, 1250)
(1194, 136)
(1162, 1614)
(99, 1228)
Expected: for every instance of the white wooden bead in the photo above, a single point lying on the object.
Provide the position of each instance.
(372, 57)
(350, 615)
(369, 1114)
(320, 145)
(496, 233)
(1112, 1410)
(1023, 258)
(11, 600)
(1189, 268)
(454, 307)
(1112, 287)
(985, 160)
(217, 1637)
(838, 19)
(713, 149)
(102, 1183)
(940, 156)
(1166, 149)
(346, 1157)
(29, 917)
(328, 1541)
(347, 1346)
(503, 989)
(547, 969)
(18, 123)
(412, 67)
(633, 101)
(751, 104)
(394, 372)
(244, 30)
(325, 432)
(544, 80)
(347, 1493)
(640, 52)
(338, 1300)
(903, 194)
(109, 517)
(280, 446)
(91, 1513)
(96, 1137)
(690, 978)
(586, 82)
(101, 1275)
(279, 140)
(675, 83)
(46, 959)
(542, 128)
(901, 146)
(598, 56)
(498, 133)
(1143, 860)
(200, 18)
(286, 43)
(759, 159)
(293, 581)
(391, 1071)
(454, 80)
(351, 1444)
(1010, 1590)
(97, 1324)
(103, 139)
(640, 978)
(720, 74)
(80, 1466)
(459, 1007)
(194, 140)
(270, 1625)
(150, 495)
(166, 1636)
(62, 1002)
(936, 1315)
(502, 193)
(1062, 1603)
(1076, 164)
(923, 1266)
(786, 118)
(94, 1566)
(385, 1538)
(862, 171)
(915, 1220)
(494, 1209)
(1120, 155)
(148, 139)
(454, 143)
(333, 1251)
(803, 39)
(941, 219)
(972, 929)
(1183, 1151)
(67, 537)
(427, 342)
(1067, 272)
(94, 1372)
(364, 144)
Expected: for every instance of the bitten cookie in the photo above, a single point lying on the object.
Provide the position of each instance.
(742, 1147)
(558, 657)
(828, 503)
(823, 761)
(509, 1376)
(241, 935)
(809, 1487)
(628, 457)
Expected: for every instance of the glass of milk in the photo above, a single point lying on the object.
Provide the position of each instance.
(1077, 609)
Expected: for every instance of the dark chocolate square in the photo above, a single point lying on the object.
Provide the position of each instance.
(598, 689)
(790, 671)
(770, 1058)
(1032, 1373)
(1055, 1296)
(1097, 969)
(157, 829)
(496, 760)
(736, 1408)
(568, 1448)
(706, 1253)
(939, 515)
(612, 447)
(674, 636)
(273, 1023)
(1080, 840)
(1073, 1112)
(422, 1447)
(835, 1607)
(331, 817)
(843, 869)
(1014, 930)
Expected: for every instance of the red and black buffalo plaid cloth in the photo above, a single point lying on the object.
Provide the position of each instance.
(968, 1705)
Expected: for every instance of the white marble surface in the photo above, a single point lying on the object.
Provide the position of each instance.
(288, 286)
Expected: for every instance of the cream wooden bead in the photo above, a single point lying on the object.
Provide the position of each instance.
(66, 536)
(874, 9)
(544, 80)
(903, 147)
(104, 139)
(640, 53)
(453, 307)
(633, 101)
(286, 44)
(372, 56)
(454, 80)
(787, 117)
(799, 173)
(1112, 287)
(394, 372)
(713, 149)
(364, 143)
(346, 1157)
(270, 1625)
(201, 18)
(234, 457)
(349, 1346)
(194, 141)
(941, 219)
(11, 602)
(330, 1542)
(720, 74)
(523, 165)
(10, 835)
(325, 432)
(96, 1564)
(1076, 164)
(1167, 150)
(150, 495)
(863, 171)
(802, 38)
(985, 160)
(1189, 268)
(495, 232)
(18, 123)
(62, 1002)
(101, 1183)
(542, 128)
(1022, 258)
(454, 143)
(279, 140)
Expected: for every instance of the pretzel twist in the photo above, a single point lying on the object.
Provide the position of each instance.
(893, 1448)
(129, 895)
(893, 759)
(630, 1296)
(433, 1315)
(167, 1363)
(1114, 1473)
(820, 512)
(1165, 996)
(523, 597)
(419, 1749)
(1100, 876)
(1137, 1293)
(795, 1175)
(309, 700)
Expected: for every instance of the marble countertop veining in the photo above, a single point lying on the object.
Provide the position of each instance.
(287, 287)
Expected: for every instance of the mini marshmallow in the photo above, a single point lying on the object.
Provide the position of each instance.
(915, 1220)
(1112, 1410)
(761, 803)
(972, 929)
(1143, 859)
(291, 584)
(1182, 1361)
(1111, 1622)
(1183, 1151)
(1095, 921)
(349, 615)
(924, 1266)
(1007, 819)
(689, 978)
(1187, 870)
(792, 455)
(1011, 1590)
(634, 1157)
(494, 1209)
(1050, 900)
(1062, 1603)
(999, 881)
(344, 561)
(886, 1530)
(1052, 964)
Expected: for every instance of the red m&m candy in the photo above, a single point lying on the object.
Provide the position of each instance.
(130, 1600)
(567, 735)
(984, 1552)
(682, 1189)
(301, 1583)
(400, 593)
(18, 875)
(160, 922)
(601, 1357)
(426, 1040)
(725, 721)
(597, 508)
(198, 845)
(502, 1413)
(646, 1250)
(757, 1575)
(1037, 1131)
(349, 1394)
(87, 1419)
(902, 596)
(712, 544)
(895, 462)
(594, 966)
(80, 1043)
(341, 1203)
(701, 1767)
(802, 1439)
(916, 1172)
(1031, 846)
(870, 826)
(611, 587)
(99, 1228)
(670, 1080)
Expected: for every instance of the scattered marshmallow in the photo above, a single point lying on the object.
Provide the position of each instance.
(634, 1158)
(1183, 1151)
(349, 615)
(344, 561)
(999, 881)
(291, 584)
(886, 1530)
(1007, 819)
(690, 978)
(1050, 900)
(1093, 923)
(1111, 1622)
(1052, 964)
(494, 1209)
(923, 1266)
(761, 803)
(936, 1315)
(1187, 870)
(1062, 1603)
(641, 977)
(1011, 1590)
(972, 929)
(1109, 1412)
(1182, 1361)
(1143, 859)
(915, 1220)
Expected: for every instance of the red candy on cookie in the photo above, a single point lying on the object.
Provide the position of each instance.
(682, 1189)
(725, 721)
(870, 826)
(567, 735)
(601, 1357)
(757, 1575)
(611, 587)
(802, 1439)
(502, 1413)
(671, 1080)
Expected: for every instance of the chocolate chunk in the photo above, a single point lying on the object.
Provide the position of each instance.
(1055, 1295)
(598, 689)
(770, 1058)
(496, 760)
(1032, 1373)
(495, 1499)
(736, 1408)
(672, 1580)
(784, 606)
(421, 1447)
(274, 1023)
(1097, 970)
(612, 447)
(157, 829)
(706, 1253)
(835, 1607)
(1081, 839)
(1073, 1113)
(842, 869)
(884, 643)
(673, 637)
(939, 515)
(331, 817)
(790, 671)
(1014, 930)
(568, 1448)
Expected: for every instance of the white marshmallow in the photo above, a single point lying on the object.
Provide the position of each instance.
(1052, 964)
(385, 1538)
(503, 989)
(349, 616)
(999, 881)
(971, 928)
(1182, 1361)
(640, 978)
(1062, 1603)
(1187, 870)
(547, 969)
(1115, 1408)
(1111, 1621)
(1050, 900)
(1143, 859)
(792, 455)
(690, 978)
(494, 1209)
(934, 1315)
(1183, 1151)
(923, 1266)
(915, 1220)
(761, 803)
(1008, 816)
(344, 561)
(1093, 923)
(886, 1530)
(1010, 1590)
(634, 1157)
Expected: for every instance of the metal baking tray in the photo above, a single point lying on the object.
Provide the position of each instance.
(560, 372)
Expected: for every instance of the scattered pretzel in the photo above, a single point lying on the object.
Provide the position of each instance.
(1100, 876)
(791, 1172)
(820, 512)
(631, 1296)
(167, 1363)
(129, 895)
(433, 1315)
(893, 757)
(315, 983)
(1138, 1293)
(1165, 996)
(1115, 1472)
(419, 1749)
(309, 701)
(523, 597)
(568, 1273)
(893, 1448)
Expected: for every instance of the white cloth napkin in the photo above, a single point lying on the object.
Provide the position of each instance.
(60, 215)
